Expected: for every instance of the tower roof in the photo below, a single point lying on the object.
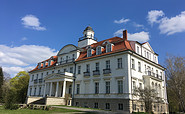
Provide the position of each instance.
(88, 28)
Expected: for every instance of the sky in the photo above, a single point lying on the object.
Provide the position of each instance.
(34, 30)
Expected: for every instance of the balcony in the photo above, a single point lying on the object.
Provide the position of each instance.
(96, 72)
(66, 61)
(40, 80)
(106, 71)
(87, 37)
(86, 74)
(35, 81)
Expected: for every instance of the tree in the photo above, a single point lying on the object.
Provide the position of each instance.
(175, 75)
(148, 97)
(1, 83)
(19, 85)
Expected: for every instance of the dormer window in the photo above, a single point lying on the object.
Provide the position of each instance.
(98, 50)
(49, 62)
(108, 47)
(44, 64)
(89, 52)
(39, 65)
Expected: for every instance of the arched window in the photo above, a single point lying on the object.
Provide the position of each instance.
(89, 53)
(108, 47)
(98, 50)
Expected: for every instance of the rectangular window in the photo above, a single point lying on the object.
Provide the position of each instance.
(108, 64)
(39, 90)
(79, 69)
(71, 69)
(107, 106)
(134, 106)
(120, 86)
(134, 85)
(89, 54)
(120, 106)
(30, 91)
(119, 62)
(107, 86)
(96, 87)
(98, 51)
(95, 105)
(140, 86)
(138, 49)
(58, 71)
(73, 56)
(52, 72)
(97, 66)
(35, 91)
(108, 47)
(87, 68)
(139, 66)
(47, 73)
(133, 64)
(77, 88)
(41, 75)
(32, 78)
(37, 76)
(65, 70)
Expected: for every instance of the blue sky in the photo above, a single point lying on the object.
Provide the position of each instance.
(34, 30)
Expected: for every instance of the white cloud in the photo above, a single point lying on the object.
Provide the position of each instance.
(171, 25)
(140, 36)
(12, 58)
(153, 16)
(24, 38)
(138, 25)
(121, 21)
(32, 22)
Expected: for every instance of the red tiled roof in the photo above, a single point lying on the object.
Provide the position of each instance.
(119, 45)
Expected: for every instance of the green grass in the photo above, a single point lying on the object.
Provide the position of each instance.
(29, 111)
(77, 107)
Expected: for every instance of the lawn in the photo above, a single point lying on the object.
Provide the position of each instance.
(29, 111)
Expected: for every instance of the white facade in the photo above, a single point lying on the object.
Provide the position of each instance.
(103, 79)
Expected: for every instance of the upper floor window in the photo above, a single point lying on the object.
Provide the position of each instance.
(32, 78)
(108, 47)
(107, 64)
(52, 72)
(134, 85)
(58, 71)
(79, 69)
(120, 86)
(89, 52)
(77, 88)
(119, 62)
(73, 56)
(138, 49)
(66, 58)
(44, 64)
(139, 66)
(47, 73)
(87, 68)
(61, 59)
(133, 64)
(41, 75)
(71, 70)
(107, 86)
(98, 51)
(49, 62)
(97, 67)
(39, 65)
(96, 87)
(37, 76)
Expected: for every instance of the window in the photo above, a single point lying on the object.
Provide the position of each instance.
(47, 73)
(89, 54)
(107, 105)
(157, 73)
(120, 86)
(30, 91)
(58, 71)
(66, 58)
(65, 70)
(73, 56)
(87, 68)
(140, 85)
(97, 67)
(37, 76)
(147, 55)
(61, 59)
(134, 107)
(108, 48)
(49, 62)
(77, 88)
(35, 91)
(79, 69)
(52, 72)
(107, 86)
(107, 64)
(119, 62)
(134, 85)
(32, 78)
(44, 64)
(142, 107)
(139, 66)
(71, 70)
(41, 75)
(39, 65)
(120, 106)
(98, 51)
(39, 90)
(138, 49)
(77, 103)
(133, 64)
(96, 87)
(70, 89)
(95, 105)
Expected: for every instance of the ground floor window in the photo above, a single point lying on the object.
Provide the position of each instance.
(77, 103)
(30, 91)
(39, 90)
(141, 107)
(107, 106)
(35, 91)
(95, 105)
(134, 107)
(120, 106)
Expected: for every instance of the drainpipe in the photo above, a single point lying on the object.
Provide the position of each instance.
(74, 78)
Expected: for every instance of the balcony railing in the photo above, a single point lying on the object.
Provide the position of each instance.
(86, 37)
(36, 81)
(149, 73)
(66, 61)
(86, 73)
(96, 72)
(106, 71)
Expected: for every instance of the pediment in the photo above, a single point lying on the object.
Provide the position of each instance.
(147, 46)
(54, 76)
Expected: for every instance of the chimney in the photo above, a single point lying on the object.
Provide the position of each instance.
(125, 34)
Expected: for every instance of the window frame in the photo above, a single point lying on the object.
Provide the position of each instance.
(96, 86)
(120, 63)
(107, 87)
(107, 64)
(89, 52)
(98, 50)
(120, 86)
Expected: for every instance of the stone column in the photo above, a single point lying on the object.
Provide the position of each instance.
(64, 88)
(56, 93)
(44, 94)
(51, 83)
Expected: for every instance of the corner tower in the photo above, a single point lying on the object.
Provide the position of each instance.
(88, 37)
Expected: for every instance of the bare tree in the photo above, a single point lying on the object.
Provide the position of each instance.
(175, 75)
(147, 97)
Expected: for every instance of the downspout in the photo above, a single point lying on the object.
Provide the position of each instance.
(74, 78)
